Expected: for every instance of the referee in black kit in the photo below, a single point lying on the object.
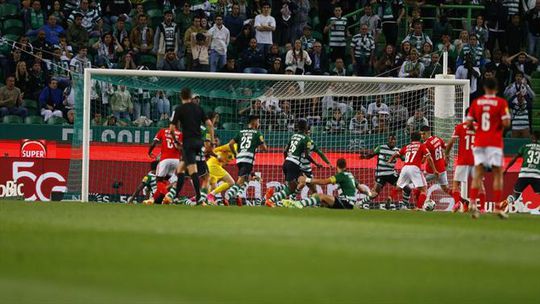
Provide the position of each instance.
(188, 117)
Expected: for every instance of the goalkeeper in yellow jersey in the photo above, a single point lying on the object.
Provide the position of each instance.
(223, 156)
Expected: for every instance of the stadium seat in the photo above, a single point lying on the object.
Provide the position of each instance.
(163, 123)
(317, 35)
(8, 10)
(231, 126)
(150, 6)
(12, 119)
(218, 94)
(31, 106)
(222, 110)
(54, 120)
(148, 60)
(33, 120)
(13, 26)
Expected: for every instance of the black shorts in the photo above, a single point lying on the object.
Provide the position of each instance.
(202, 168)
(307, 173)
(291, 171)
(190, 149)
(523, 182)
(387, 179)
(341, 203)
(244, 169)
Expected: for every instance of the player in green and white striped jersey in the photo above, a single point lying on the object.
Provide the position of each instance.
(348, 187)
(385, 173)
(248, 140)
(148, 183)
(529, 174)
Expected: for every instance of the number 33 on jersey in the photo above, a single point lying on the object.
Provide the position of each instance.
(489, 112)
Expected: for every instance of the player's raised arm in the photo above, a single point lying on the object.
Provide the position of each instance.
(322, 155)
(210, 128)
(371, 154)
(157, 139)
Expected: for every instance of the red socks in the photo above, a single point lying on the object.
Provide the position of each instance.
(482, 198)
(421, 200)
(161, 189)
(394, 194)
(457, 196)
(474, 195)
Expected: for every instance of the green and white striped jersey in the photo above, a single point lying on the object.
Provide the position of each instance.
(347, 183)
(150, 182)
(338, 31)
(384, 153)
(298, 145)
(248, 140)
(531, 161)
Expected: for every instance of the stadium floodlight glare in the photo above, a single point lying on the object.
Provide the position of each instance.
(442, 101)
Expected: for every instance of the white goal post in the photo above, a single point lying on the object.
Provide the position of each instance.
(376, 86)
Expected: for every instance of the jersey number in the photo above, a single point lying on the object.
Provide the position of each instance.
(534, 157)
(409, 156)
(469, 140)
(170, 143)
(439, 153)
(245, 142)
(485, 125)
(293, 146)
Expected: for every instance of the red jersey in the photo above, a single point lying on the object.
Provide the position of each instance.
(465, 137)
(436, 147)
(414, 153)
(168, 148)
(489, 112)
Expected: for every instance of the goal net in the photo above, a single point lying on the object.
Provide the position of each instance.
(348, 116)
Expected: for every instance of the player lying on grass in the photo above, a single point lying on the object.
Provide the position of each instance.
(464, 163)
(299, 145)
(385, 173)
(529, 174)
(247, 141)
(346, 182)
(148, 183)
(492, 115)
(414, 155)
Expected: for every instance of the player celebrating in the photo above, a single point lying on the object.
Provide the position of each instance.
(247, 140)
(190, 116)
(464, 163)
(414, 153)
(529, 174)
(492, 115)
(170, 158)
(299, 144)
(385, 173)
(343, 178)
(148, 183)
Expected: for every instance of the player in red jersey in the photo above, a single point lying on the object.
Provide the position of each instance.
(414, 154)
(492, 115)
(464, 163)
(169, 161)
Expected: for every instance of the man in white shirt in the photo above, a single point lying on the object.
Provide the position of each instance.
(220, 36)
(264, 26)
(374, 108)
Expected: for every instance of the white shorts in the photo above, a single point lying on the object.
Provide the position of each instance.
(488, 156)
(442, 180)
(462, 173)
(167, 167)
(411, 175)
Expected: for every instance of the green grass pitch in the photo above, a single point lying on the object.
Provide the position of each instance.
(113, 253)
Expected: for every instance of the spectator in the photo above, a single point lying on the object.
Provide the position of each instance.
(58, 13)
(277, 67)
(220, 37)
(70, 117)
(112, 121)
(417, 38)
(414, 123)
(307, 39)
(115, 10)
(339, 69)
(319, 59)
(141, 104)
(139, 10)
(234, 22)
(302, 17)
(336, 124)
(59, 67)
(34, 18)
(38, 80)
(11, 99)
(167, 36)
(403, 53)
(195, 28)
(264, 26)
(26, 48)
(90, 16)
(163, 105)
(298, 58)
(337, 34)
(255, 109)
(107, 51)
(170, 62)
(22, 77)
(469, 71)
(375, 107)
(412, 68)
(77, 34)
(272, 55)
(461, 41)
(285, 24)
(41, 45)
(426, 54)
(328, 103)
(12, 62)
(253, 59)
(119, 30)
(496, 16)
(230, 67)
(65, 48)
(533, 21)
(525, 63)
(520, 118)
(127, 62)
(80, 62)
(121, 104)
(359, 124)
(51, 101)
(204, 24)
(515, 35)
(433, 68)
(51, 29)
(442, 26)
(141, 36)
(371, 20)
(380, 122)
(446, 45)
(286, 117)
(481, 31)
(391, 12)
(199, 49)
(183, 18)
(386, 65)
(500, 68)
(363, 51)
(398, 113)
(242, 40)
(519, 87)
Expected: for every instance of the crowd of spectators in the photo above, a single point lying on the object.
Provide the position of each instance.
(278, 37)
